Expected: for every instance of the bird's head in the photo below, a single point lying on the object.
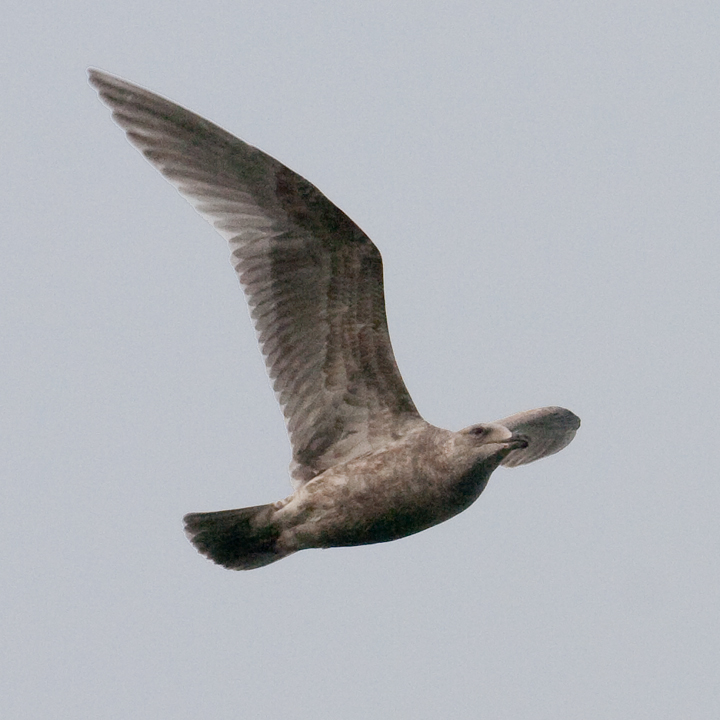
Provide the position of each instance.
(491, 439)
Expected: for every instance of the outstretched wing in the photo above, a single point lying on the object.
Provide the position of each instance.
(548, 431)
(312, 278)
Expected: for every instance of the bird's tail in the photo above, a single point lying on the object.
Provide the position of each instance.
(238, 539)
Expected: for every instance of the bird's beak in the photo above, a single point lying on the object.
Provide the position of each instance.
(517, 441)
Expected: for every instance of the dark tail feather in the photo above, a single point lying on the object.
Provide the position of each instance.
(238, 539)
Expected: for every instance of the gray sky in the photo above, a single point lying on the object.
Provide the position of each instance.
(543, 181)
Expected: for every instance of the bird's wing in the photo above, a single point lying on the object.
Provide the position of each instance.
(548, 431)
(312, 278)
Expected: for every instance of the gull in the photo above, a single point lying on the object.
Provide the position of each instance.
(366, 467)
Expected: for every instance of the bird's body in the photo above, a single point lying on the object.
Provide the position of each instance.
(417, 481)
(366, 467)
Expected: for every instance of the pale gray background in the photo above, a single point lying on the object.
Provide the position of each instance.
(543, 180)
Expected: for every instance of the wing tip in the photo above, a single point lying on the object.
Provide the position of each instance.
(551, 429)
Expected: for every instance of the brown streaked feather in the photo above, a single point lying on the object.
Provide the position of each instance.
(312, 278)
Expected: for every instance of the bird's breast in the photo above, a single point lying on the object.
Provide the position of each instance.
(368, 502)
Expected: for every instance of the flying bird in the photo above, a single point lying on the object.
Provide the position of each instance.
(366, 467)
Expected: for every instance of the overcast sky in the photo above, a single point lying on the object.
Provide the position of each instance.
(543, 181)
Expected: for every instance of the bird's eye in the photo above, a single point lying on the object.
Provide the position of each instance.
(478, 431)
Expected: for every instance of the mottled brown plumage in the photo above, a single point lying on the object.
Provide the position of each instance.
(366, 467)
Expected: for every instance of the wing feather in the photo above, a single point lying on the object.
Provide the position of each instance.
(547, 429)
(312, 278)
